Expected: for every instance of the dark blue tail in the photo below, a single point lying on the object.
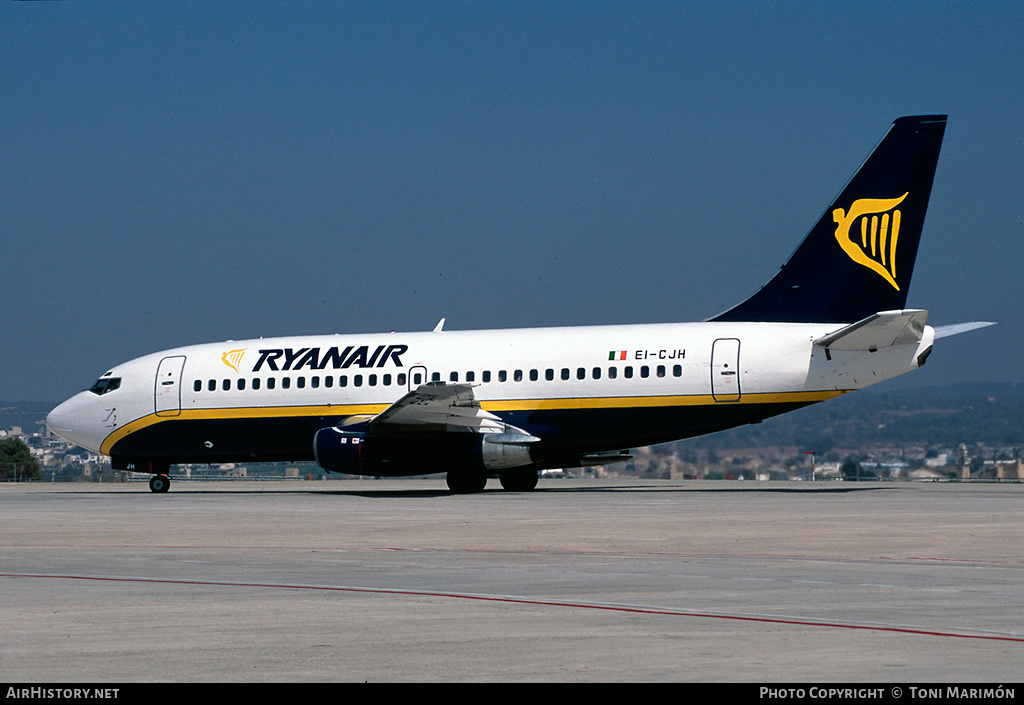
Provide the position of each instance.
(858, 258)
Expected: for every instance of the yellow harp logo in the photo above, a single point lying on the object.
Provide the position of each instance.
(872, 243)
(233, 358)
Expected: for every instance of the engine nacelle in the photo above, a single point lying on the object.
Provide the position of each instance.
(500, 451)
(359, 453)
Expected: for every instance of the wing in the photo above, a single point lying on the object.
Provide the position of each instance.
(442, 408)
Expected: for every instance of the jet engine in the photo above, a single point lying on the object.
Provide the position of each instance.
(385, 454)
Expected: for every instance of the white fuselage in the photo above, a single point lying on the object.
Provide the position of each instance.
(582, 389)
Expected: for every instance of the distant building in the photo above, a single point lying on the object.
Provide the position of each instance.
(1012, 470)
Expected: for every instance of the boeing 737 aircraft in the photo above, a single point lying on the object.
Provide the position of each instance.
(475, 404)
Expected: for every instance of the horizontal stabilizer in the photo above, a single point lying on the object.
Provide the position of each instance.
(957, 328)
(879, 330)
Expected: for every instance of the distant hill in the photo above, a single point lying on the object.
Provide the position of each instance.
(29, 415)
(987, 413)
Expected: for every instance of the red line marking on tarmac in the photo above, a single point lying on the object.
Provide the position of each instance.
(538, 551)
(527, 601)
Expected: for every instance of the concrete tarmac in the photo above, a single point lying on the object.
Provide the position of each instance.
(580, 580)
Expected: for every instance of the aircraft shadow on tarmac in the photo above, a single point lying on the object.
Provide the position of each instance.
(194, 488)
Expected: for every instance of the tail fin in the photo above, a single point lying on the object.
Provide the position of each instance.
(858, 258)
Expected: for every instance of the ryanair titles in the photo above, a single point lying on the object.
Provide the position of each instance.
(279, 359)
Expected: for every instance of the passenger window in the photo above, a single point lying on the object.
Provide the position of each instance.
(197, 386)
(613, 372)
(357, 380)
(372, 380)
(628, 372)
(328, 381)
(534, 375)
(314, 382)
(401, 379)
(549, 374)
(487, 375)
(300, 382)
(517, 375)
(241, 384)
(581, 373)
(343, 381)
(212, 385)
(677, 370)
(286, 383)
(502, 375)
(255, 382)
(596, 373)
(660, 371)
(565, 373)
(435, 377)
(453, 377)
(271, 382)
(645, 371)
(386, 380)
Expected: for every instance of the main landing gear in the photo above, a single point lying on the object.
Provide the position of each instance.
(519, 481)
(465, 482)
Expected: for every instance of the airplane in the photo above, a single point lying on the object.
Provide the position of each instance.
(510, 403)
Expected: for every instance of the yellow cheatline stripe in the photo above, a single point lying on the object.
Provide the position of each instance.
(258, 412)
(643, 402)
(562, 403)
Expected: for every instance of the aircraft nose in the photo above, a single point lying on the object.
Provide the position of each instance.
(79, 420)
(61, 420)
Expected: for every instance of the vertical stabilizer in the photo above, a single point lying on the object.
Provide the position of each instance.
(858, 258)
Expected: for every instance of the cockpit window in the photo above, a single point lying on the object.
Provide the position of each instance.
(105, 384)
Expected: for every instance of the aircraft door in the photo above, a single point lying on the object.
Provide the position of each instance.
(168, 386)
(725, 369)
(417, 376)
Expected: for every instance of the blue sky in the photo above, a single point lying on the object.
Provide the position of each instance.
(176, 173)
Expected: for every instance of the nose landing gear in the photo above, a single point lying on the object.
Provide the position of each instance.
(159, 483)
(159, 469)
